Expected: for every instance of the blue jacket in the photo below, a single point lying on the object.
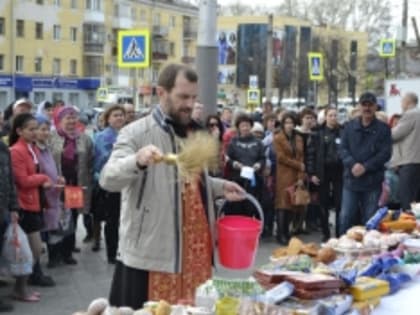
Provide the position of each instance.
(370, 146)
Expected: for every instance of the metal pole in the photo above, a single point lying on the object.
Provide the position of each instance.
(404, 37)
(206, 62)
(269, 65)
(12, 46)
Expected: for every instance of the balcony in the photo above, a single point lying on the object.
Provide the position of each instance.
(188, 59)
(94, 16)
(93, 48)
(189, 33)
(160, 31)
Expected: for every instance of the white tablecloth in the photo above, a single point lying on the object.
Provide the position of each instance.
(404, 302)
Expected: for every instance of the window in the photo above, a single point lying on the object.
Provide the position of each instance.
(39, 1)
(172, 21)
(93, 66)
(116, 10)
(56, 32)
(2, 26)
(133, 14)
(143, 15)
(172, 49)
(94, 33)
(39, 97)
(39, 30)
(57, 96)
(57, 3)
(73, 66)
(20, 28)
(73, 34)
(3, 97)
(94, 5)
(56, 66)
(38, 64)
(73, 4)
(156, 19)
(74, 99)
(1, 62)
(19, 64)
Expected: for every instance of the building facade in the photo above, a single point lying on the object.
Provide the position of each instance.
(242, 42)
(67, 49)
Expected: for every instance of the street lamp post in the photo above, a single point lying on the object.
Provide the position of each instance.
(206, 63)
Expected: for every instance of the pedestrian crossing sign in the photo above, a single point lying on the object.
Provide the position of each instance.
(134, 49)
(102, 94)
(316, 72)
(253, 96)
(387, 49)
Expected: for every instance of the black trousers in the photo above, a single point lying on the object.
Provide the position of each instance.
(69, 241)
(409, 184)
(129, 287)
(112, 221)
(330, 191)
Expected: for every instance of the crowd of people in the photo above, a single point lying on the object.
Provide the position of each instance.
(352, 169)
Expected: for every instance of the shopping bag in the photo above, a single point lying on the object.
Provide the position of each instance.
(73, 197)
(16, 251)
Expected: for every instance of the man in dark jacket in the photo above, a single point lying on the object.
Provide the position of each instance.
(366, 146)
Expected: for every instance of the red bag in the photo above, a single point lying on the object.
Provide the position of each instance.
(73, 197)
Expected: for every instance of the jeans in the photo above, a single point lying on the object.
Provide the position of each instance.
(354, 203)
(409, 184)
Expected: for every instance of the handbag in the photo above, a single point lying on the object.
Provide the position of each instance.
(299, 195)
(73, 197)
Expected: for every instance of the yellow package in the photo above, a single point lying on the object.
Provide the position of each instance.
(367, 288)
(227, 306)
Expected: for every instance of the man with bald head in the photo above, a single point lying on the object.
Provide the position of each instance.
(406, 150)
(130, 113)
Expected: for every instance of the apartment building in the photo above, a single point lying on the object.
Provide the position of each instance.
(66, 49)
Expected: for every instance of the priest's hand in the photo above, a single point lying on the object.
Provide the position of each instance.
(233, 192)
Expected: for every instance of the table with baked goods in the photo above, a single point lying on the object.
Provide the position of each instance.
(370, 270)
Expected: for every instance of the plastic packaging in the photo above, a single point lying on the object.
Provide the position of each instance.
(206, 295)
(336, 304)
(279, 293)
(374, 221)
(227, 306)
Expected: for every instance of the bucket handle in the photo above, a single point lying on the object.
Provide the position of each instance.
(255, 202)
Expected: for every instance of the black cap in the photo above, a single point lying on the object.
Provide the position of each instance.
(367, 97)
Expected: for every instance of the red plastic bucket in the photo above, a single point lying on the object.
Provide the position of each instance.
(238, 238)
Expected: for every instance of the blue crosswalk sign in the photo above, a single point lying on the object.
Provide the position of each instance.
(134, 49)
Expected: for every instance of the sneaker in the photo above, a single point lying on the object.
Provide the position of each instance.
(5, 307)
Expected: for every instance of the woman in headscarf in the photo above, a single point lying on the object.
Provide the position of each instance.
(73, 154)
(48, 166)
(106, 204)
(46, 110)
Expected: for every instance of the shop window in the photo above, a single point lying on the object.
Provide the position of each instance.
(39, 97)
(74, 99)
(57, 96)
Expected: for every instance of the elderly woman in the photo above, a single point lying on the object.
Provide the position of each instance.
(245, 151)
(106, 205)
(290, 170)
(73, 154)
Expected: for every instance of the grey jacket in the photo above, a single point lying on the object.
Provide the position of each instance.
(151, 211)
(85, 166)
(406, 136)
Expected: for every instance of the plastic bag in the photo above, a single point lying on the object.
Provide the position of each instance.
(206, 295)
(16, 251)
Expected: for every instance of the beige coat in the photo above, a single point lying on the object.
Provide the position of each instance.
(288, 168)
(85, 163)
(406, 137)
(151, 210)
